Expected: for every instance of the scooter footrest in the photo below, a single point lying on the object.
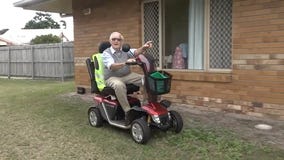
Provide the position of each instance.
(120, 122)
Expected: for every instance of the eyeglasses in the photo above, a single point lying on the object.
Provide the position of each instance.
(116, 39)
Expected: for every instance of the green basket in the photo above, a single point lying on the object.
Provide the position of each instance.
(159, 82)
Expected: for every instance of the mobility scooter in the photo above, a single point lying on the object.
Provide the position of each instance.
(142, 117)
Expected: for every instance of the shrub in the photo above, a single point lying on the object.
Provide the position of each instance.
(43, 39)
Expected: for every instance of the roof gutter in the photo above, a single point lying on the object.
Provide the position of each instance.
(26, 3)
(64, 7)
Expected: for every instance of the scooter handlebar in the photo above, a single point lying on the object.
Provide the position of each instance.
(131, 63)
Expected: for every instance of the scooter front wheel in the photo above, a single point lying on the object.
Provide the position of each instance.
(140, 131)
(95, 118)
(177, 122)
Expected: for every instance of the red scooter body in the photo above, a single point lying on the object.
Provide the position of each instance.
(155, 108)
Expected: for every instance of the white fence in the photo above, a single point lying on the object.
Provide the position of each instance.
(38, 61)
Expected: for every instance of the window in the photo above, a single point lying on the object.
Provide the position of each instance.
(189, 34)
(220, 34)
(152, 27)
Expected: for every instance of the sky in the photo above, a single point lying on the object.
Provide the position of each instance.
(15, 18)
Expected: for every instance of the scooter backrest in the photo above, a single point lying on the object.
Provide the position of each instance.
(91, 68)
(103, 46)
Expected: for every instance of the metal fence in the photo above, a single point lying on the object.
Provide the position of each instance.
(38, 61)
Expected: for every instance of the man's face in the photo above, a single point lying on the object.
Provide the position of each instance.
(116, 41)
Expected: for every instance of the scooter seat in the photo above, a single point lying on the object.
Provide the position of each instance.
(131, 88)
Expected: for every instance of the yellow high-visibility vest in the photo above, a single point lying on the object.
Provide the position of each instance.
(99, 70)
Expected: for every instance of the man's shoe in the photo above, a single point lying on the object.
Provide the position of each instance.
(127, 118)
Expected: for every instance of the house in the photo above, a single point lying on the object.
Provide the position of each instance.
(223, 54)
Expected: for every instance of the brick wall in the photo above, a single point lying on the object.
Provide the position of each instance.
(254, 87)
(105, 18)
(258, 53)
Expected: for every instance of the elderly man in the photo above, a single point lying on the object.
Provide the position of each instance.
(116, 72)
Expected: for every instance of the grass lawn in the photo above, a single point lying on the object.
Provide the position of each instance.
(38, 122)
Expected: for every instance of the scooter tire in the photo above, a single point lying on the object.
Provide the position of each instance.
(140, 131)
(177, 122)
(95, 117)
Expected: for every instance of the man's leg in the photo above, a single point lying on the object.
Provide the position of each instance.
(120, 91)
(133, 78)
(136, 79)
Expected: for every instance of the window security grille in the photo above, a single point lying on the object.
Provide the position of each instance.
(151, 27)
(220, 34)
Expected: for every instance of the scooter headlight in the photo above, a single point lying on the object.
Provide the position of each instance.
(156, 119)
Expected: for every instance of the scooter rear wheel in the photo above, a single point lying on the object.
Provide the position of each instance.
(95, 117)
(140, 131)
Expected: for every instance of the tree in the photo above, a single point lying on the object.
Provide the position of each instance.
(42, 21)
(45, 39)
